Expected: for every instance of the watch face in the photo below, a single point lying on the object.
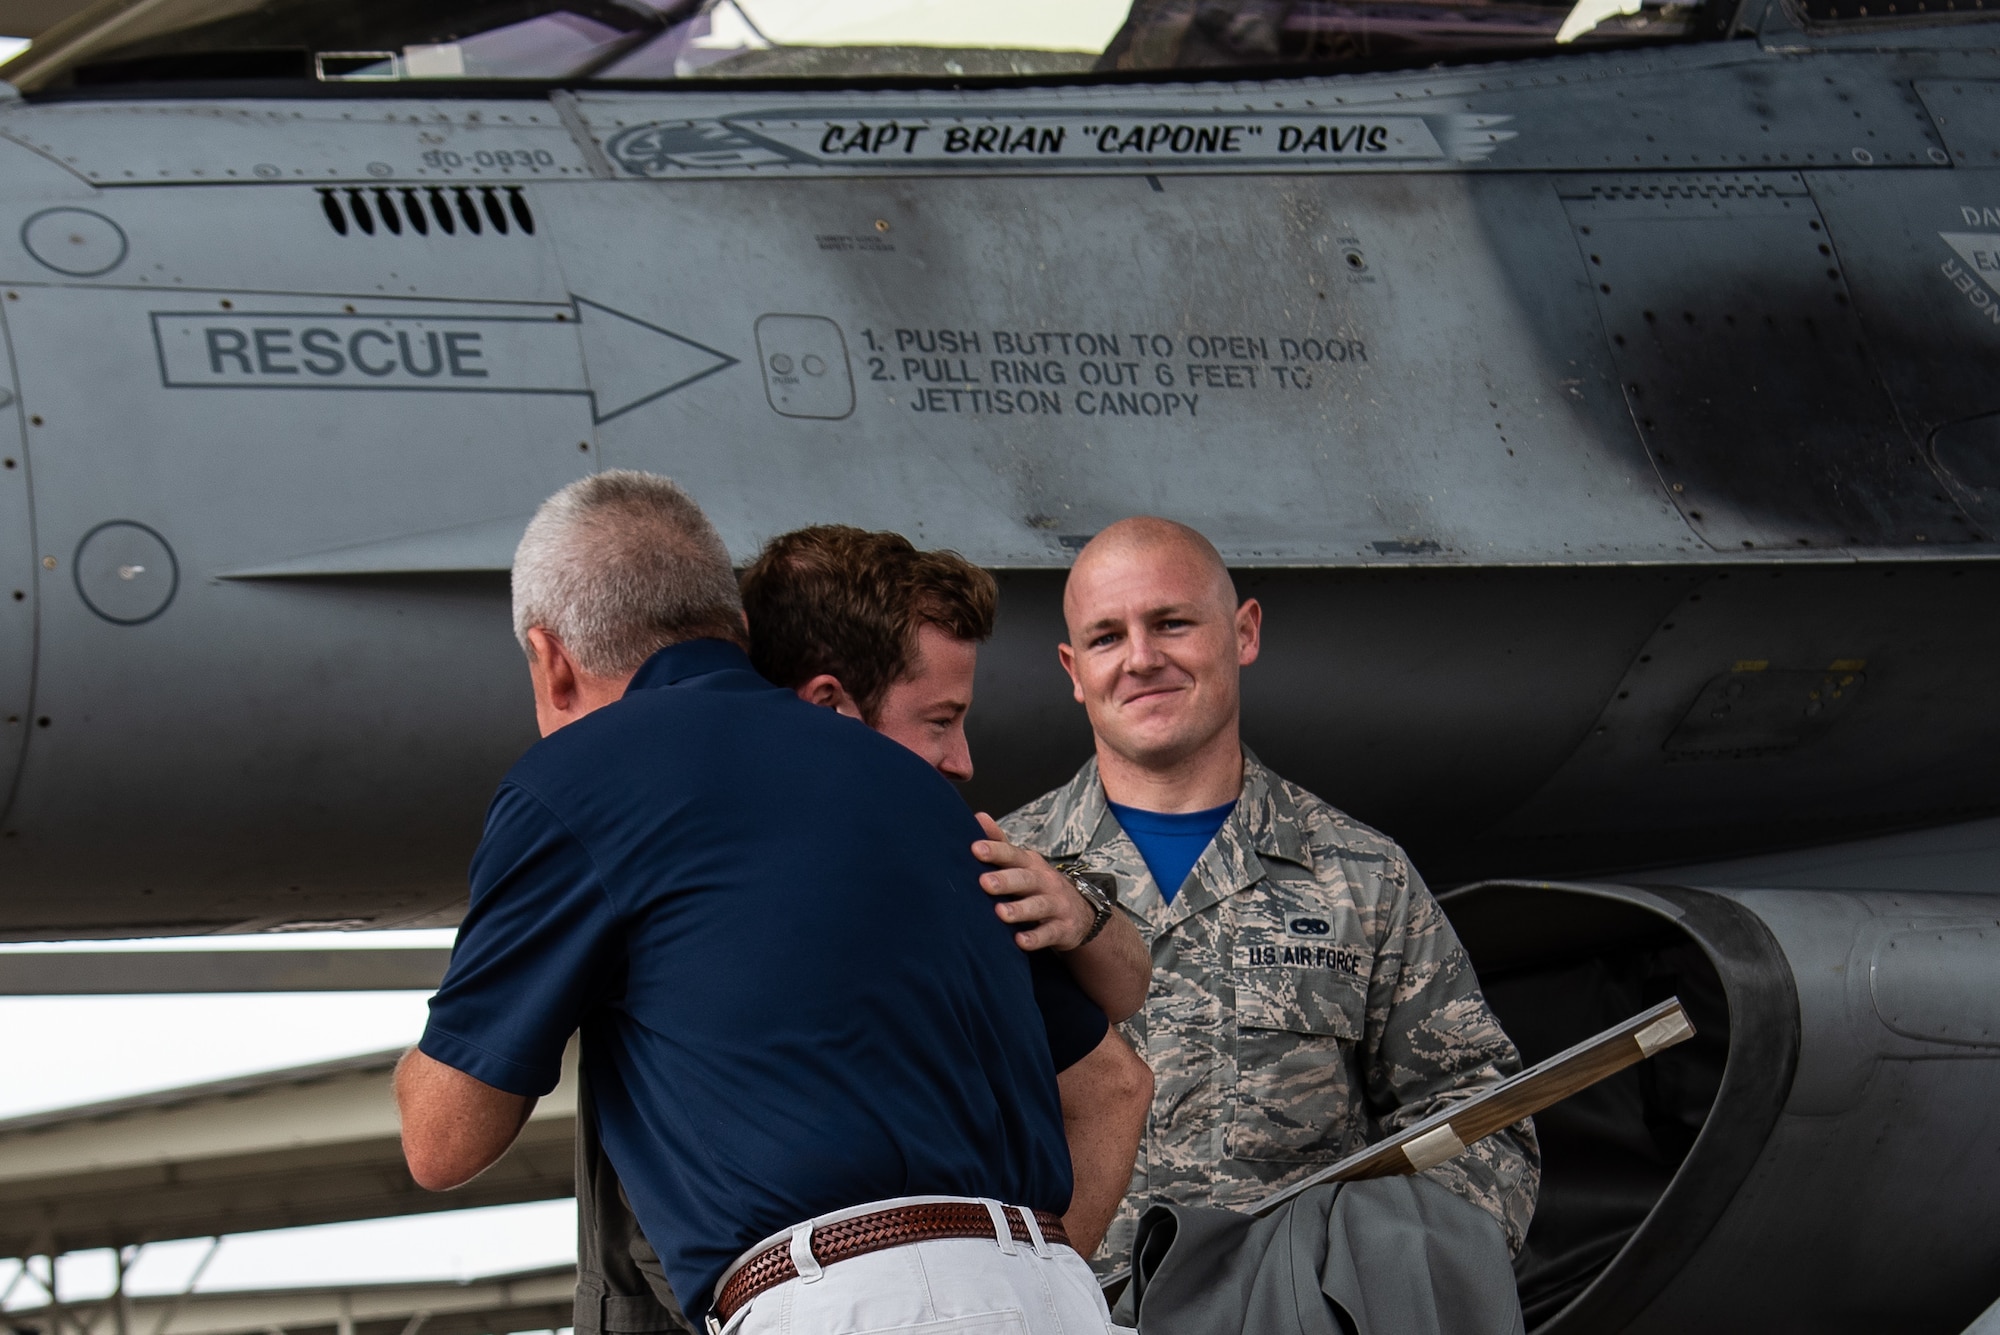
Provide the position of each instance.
(1103, 883)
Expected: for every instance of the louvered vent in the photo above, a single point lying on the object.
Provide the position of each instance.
(449, 210)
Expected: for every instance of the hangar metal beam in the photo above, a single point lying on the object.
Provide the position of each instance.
(72, 973)
(32, 18)
(495, 1305)
(311, 1145)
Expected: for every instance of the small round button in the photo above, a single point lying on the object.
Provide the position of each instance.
(814, 365)
(125, 572)
(76, 242)
(781, 363)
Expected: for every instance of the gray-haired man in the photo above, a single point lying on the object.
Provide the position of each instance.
(852, 1128)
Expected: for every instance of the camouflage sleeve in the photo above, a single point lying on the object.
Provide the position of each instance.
(1027, 826)
(1431, 1039)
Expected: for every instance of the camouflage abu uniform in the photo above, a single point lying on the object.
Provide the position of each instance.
(1308, 997)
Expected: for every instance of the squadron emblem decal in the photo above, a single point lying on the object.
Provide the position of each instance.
(650, 150)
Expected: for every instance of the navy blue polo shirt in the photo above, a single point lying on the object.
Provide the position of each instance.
(766, 919)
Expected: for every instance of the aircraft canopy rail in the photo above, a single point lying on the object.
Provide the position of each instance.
(391, 42)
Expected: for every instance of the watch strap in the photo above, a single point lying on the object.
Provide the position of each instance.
(1101, 904)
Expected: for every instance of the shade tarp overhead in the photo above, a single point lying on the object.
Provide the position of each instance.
(310, 1145)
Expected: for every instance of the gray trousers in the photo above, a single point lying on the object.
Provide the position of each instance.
(1391, 1256)
(620, 1287)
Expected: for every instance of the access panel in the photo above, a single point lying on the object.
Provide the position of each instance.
(1730, 319)
(1922, 251)
(1348, 371)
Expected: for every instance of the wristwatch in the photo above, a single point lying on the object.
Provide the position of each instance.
(1095, 895)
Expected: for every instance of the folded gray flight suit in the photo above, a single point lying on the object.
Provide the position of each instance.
(1389, 1256)
(620, 1287)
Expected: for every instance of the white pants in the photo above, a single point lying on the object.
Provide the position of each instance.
(952, 1286)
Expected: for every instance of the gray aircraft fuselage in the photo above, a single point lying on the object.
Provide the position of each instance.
(1613, 438)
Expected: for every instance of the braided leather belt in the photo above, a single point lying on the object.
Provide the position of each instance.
(873, 1233)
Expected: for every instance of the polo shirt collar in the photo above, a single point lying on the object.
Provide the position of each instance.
(690, 658)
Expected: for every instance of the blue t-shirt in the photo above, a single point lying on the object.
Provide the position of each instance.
(1171, 842)
(767, 921)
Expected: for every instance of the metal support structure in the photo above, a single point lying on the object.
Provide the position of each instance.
(121, 1307)
(78, 973)
(173, 1309)
(281, 1149)
(492, 1305)
(59, 1315)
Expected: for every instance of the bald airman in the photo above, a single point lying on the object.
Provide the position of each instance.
(1308, 994)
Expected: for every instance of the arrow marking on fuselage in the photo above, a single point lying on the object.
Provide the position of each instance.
(616, 360)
